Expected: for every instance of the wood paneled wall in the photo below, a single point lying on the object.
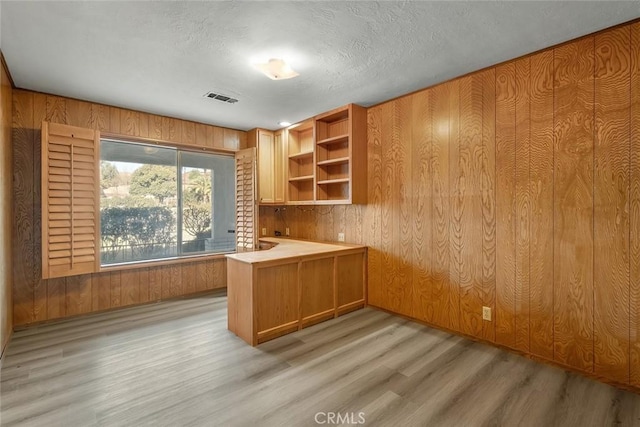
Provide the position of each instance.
(6, 177)
(36, 300)
(515, 188)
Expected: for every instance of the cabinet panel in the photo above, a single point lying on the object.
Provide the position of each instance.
(349, 282)
(272, 293)
(239, 298)
(266, 159)
(316, 286)
(276, 296)
(270, 148)
(279, 140)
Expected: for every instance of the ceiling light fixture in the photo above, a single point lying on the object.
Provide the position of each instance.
(284, 123)
(276, 69)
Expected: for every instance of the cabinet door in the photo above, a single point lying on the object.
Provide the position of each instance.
(266, 154)
(279, 177)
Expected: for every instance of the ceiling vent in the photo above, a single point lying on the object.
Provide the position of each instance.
(220, 97)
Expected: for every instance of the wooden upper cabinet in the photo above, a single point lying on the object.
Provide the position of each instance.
(341, 156)
(70, 200)
(321, 160)
(270, 152)
(327, 158)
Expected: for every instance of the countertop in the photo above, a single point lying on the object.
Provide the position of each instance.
(290, 248)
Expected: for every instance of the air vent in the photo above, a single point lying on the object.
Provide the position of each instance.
(220, 97)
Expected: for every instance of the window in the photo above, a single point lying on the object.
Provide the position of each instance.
(106, 202)
(159, 202)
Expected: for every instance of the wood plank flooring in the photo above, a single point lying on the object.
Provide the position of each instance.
(175, 364)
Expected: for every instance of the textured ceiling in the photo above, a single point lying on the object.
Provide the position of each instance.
(162, 57)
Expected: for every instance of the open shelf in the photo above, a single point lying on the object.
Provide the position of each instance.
(301, 137)
(333, 190)
(301, 155)
(337, 161)
(301, 190)
(334, 140)
(338, 115)
(301, 178)
(334, 181)
(301, 165)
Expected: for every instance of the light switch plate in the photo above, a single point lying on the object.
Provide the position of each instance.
(264, 231)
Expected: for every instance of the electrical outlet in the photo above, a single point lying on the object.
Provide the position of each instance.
(340, 237)
(286, 231)
(264, 231)
(486, 313)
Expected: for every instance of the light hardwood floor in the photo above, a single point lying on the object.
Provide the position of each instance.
(174, 363)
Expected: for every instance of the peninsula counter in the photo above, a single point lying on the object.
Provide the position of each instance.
(292, 285)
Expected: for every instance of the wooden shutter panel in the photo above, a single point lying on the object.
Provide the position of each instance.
(70, 200)
(246, 200)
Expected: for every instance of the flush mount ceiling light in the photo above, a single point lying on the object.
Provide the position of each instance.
(284, 123)
(276, 69)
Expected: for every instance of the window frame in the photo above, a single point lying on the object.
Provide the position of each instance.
(179, 258)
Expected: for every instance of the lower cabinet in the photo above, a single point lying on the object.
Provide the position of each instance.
(349, 276)
(276, 302)
(317, 291)
(270, 299)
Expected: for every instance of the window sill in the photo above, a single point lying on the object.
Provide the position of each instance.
(163, 262)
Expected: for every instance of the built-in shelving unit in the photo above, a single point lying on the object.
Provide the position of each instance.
(327, 158)
(301, 176)
(341, 156)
